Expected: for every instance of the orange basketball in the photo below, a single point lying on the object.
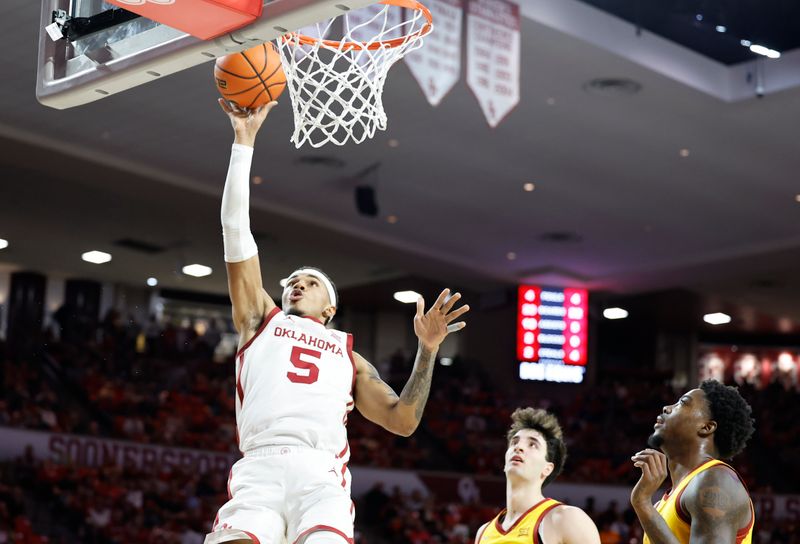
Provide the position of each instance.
(251, 78)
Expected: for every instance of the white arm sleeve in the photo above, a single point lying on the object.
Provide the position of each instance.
(238, 241)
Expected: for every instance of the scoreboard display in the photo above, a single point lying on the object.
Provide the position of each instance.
(552, 333)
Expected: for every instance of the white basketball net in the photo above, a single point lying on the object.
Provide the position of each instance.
(336, 87)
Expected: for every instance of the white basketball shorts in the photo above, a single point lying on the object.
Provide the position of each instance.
(281, 494)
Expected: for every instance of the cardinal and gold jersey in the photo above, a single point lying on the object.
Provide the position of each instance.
(524, 531)
(679, 522)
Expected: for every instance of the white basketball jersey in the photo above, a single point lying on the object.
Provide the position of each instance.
(294, 385)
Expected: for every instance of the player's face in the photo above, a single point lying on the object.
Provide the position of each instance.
(682, 420)
(305, 295)
(526, 456)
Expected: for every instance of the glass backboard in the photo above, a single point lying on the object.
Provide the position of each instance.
(90, 49)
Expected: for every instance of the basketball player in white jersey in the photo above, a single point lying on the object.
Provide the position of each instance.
(296, 382)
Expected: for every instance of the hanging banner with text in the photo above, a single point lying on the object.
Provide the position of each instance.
(437, 64)
(493, 56)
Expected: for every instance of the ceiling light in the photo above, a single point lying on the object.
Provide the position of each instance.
(717, 318)
(796, 199)
(765, 51)
(511, 255)
(685, 153)
(721, 28)
(699, 17)
(96, 257)
(393, 143)
(446, 361)
(258, 180)
(407, 297)
(197, 270)
(746, 43)
(3, 243)
(391, 219)
(529, 187)
(152, 282)
(615, 313)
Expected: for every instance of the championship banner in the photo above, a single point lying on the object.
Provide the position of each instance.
(493, 56)
(91, 451)
(437, 64)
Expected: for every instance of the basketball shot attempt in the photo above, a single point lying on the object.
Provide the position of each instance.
(534, 458)
(296, 382)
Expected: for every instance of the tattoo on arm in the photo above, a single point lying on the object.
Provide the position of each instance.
(375, 377)
(415, 393)
(714, 502)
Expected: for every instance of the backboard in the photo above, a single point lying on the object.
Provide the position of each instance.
(89, 49)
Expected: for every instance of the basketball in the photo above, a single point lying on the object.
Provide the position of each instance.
(251, 78)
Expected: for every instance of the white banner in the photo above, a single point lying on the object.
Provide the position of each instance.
(92, 451)
(493, 56)
(437, 64)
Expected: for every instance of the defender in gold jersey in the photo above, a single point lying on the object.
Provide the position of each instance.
(708, 502)
(535, 456)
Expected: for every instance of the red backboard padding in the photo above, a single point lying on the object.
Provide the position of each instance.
(203, 19)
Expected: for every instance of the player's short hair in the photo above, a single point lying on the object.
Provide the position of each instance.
(547, 425)
(335, 291)
(732, 414)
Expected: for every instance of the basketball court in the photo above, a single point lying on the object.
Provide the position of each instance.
(641, 155)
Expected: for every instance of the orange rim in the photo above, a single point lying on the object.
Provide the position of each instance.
(408, 4)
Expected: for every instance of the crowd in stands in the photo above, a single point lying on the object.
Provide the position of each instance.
(164, 385)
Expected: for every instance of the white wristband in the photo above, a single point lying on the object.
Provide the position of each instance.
(237, 239)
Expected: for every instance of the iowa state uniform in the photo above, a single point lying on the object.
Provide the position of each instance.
(294, 390)
(524, 531)
(679, 522)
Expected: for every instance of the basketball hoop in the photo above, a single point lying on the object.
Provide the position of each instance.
(336, 86)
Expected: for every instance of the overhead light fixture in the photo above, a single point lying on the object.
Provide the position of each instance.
(393, 142)
(407, 297)
(511, 256)
(391, 219)
(699, 17)
(3, 243)
(258, 180)
(746, 43)
(717, 318)
(722, 28)
(96, 257)
(796, 199)
(765, 51)
(529, 187)
(446, 361)
(615, 313)
(152, 282)
(685, 152)
(197, 270)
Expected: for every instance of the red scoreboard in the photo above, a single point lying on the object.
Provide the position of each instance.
(552, 333)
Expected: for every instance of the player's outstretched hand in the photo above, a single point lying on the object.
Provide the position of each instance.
(246, 122)
(432, 327)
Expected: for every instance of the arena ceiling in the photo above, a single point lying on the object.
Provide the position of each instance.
(690, 182)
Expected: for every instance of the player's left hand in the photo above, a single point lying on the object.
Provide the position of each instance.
(432, 327)
(653, 465)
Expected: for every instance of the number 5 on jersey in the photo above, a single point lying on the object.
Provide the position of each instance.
(311, 373)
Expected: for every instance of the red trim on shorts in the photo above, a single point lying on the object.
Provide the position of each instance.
(539, 521)
(263, 326)
(353, 362)
(344, 480)
(216, 522)
(230, 477)
(317, 528)
(344, 451)
(253, 537)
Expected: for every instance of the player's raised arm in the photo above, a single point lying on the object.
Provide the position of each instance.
(377, 401)
(249, 299)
